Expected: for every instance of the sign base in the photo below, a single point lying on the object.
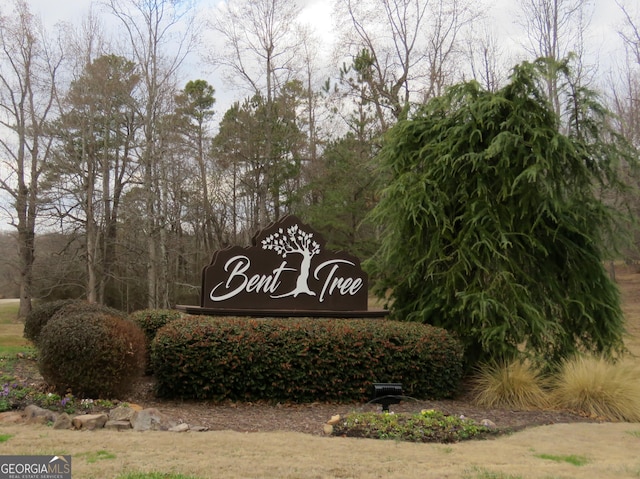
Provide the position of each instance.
(293, 313)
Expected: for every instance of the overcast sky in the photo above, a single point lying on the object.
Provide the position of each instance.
(604, 25)
(606, 11)
(604, 41)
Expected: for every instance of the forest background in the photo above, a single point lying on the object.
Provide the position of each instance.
(121, 171)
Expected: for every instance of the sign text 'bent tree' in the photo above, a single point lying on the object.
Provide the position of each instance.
(287, 269)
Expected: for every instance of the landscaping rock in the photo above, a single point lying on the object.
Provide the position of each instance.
(488, 423)
(334, 420)
(123, 425)
(184, 427)
(151, 419)
(198, 428)
(11, 417)
(63, 421)
(121, 418)
(121, 413)
(89, 421)
(37, 415)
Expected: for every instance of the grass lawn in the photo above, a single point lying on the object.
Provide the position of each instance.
(11, 340)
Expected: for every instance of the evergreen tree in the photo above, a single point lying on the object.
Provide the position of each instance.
(492, 222)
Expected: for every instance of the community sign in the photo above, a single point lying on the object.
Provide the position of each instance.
(286, 272)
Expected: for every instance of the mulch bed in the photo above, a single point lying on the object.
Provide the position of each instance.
(307, 418)
(310, 418)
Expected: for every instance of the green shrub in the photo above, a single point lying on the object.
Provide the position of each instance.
(90, 353)
(302, 360)
(85, 307)
(150, 321)
(427, 426)
(40, 315)
(44, 312)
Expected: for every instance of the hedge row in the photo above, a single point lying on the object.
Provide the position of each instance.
(302, 360)
(150, 321)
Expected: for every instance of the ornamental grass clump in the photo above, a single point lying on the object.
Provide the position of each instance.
(514, 385)
(597, 387)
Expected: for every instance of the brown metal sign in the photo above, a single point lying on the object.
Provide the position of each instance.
(287, 269)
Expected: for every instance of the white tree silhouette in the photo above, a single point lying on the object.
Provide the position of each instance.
(293, 241)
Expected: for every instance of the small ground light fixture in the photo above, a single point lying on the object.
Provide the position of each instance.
(386, 394)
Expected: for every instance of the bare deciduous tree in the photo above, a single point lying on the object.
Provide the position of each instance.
(630, 33)
(486, 59)
(30, 62)
(161, 35)
(261, 54)
(402, 49)
(556, 30)
(260, 45)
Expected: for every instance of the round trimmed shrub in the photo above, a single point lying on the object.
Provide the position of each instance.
(44, 312)
(82, 306)
(40, 315)
(150, 321)
(91, 353)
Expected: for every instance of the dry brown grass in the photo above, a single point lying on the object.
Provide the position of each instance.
(628, 278)
(610, 448)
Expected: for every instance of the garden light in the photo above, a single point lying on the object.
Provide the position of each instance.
(386, 394)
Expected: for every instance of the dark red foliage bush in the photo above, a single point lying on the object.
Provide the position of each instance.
(40, 315)
(302, 360)
(90, 353)
(150, 321)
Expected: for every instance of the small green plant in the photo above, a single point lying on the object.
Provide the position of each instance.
(92, 457)
(516, 385)
(14, 395)
(4, 398)
(479, 473)
(634, 433)
(5, 437)
(570, 459)
(427, 426)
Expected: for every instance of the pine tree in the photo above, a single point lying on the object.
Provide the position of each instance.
(492, 222)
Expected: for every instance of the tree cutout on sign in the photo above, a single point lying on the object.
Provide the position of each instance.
(294, 241)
